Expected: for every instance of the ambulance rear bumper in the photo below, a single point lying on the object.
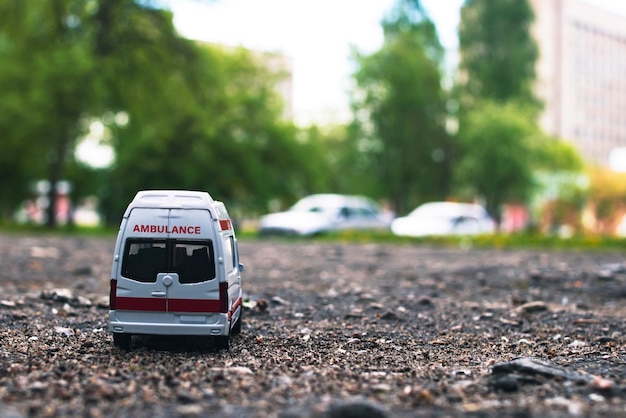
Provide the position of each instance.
(218, 326)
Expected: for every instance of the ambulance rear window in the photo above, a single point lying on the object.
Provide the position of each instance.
(194, 262)
(144, 259)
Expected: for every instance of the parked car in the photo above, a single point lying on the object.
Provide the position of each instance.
(444, 218)
(320, 213)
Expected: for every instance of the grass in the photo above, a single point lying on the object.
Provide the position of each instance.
(497, 241)
(32, 229)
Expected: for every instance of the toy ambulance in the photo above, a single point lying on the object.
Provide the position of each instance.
(176, 269)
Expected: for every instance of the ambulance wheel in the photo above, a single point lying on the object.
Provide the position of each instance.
(237, 327)
(121, 341)
(222, 342)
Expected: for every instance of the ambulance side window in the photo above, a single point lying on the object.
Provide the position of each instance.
(229, 254)
(143, 259)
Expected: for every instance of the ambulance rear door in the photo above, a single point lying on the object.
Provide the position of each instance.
(195, 291)
(140, 292)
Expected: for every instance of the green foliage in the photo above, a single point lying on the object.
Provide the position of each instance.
(45, 70)
(69, 59)
(558, 155)
(400, 111)
(499, 143)
(224, 134)
(498, 52)
(408, 17)
(507, 159)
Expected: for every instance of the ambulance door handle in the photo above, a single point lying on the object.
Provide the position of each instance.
(159, 293)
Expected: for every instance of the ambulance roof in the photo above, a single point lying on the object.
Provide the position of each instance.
(172, 199)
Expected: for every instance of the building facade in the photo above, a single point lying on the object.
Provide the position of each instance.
(582, 76)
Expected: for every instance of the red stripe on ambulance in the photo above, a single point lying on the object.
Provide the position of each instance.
(194, 305)
(168, 305)
(233, 308)
(140, 304)
(174, 305)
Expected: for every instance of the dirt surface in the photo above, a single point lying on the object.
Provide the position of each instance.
(330, 330)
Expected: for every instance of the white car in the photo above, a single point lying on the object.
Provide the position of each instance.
(320, 213)
(444, 218)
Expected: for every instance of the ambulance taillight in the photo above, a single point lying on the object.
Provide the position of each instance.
(224, 297)
(112, 294)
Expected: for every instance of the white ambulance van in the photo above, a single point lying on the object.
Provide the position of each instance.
(176, 269)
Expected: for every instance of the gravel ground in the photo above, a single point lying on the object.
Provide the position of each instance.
(330, 330)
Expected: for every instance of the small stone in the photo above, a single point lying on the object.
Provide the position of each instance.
(186, 397)
(390, 316)
(7, 303)
(425, 300)
(193, 410)
(62, 295)
(532, 307)
(83, 271)
(277, 300)
(65, 331)
(356, 410)
(601, 383)
(262, 305)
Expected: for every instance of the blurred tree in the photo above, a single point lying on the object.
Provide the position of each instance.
(400, 111)
(498, 52)
(507, 159)
(338, 167)
(224, 133)
(557, 155)
(500, 144)
(46, 68)
(68, 60)
(324, 151)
